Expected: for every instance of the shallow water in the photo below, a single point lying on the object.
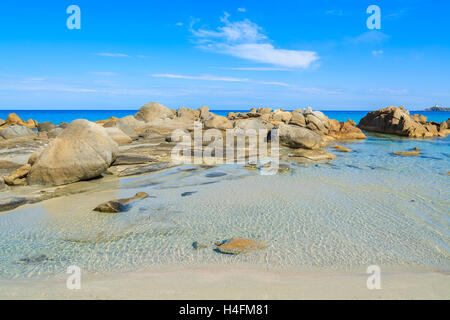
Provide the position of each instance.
(366, 207)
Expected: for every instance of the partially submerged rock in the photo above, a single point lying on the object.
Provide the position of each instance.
(311, 155)
(46, 126)
(82, 151)
(240, 246)
(345, 130)
(398, 121)
(298, 137)
(341, 148)
(132, 170)
(11, 203)
(116, 206)
(407, 153)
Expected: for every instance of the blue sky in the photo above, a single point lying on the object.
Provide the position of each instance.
(224, 54)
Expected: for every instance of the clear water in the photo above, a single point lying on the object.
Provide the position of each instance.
(56, 116)
(366, 207)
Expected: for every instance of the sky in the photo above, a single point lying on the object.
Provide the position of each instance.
(224, 54)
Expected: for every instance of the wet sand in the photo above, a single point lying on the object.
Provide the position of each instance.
(223, 282)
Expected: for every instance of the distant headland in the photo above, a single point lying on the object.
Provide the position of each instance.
(437, 108)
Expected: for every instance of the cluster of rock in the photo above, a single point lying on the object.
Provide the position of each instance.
(84, 150)
(398, 121)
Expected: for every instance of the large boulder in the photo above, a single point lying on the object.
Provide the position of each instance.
(204, 113)
(82, 151)
(118, 136)
(46, 126)
(132, 122)
(218, 122)
(17, 131)
(188, 114)
(298, 119)
(299, 137)
(154, 111)
(397, 120)
(255, 124)
(280, 115)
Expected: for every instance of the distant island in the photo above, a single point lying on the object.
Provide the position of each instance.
(437, 108)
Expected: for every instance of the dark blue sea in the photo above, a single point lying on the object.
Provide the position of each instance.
(57, 116)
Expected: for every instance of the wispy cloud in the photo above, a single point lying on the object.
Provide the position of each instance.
(377, 52)
(101, 73)
(389, 91)
(373, 36)
(241, 9)
(309, 90)
(257, 69)
(113, 55)
(334, 12)
(244, 39)
(201, 77)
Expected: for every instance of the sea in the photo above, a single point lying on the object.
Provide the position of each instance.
(58, 116)
(366, 207)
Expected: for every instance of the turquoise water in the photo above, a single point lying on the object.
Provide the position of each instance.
(366, 207)
(56, 116)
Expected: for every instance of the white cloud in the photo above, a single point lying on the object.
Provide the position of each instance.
(257, 69)
(114, 55)
(241, 9)
(179, 24)
(377, 52)
(244, 39)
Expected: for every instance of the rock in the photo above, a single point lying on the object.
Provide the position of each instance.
(188, 193)
(204, 113)
(315, 124)
(341, 148)
(54, 133)
(132, 170)
(311, 155)
(116, 206)
(11, 203)
(397, 121)
(284, 116)
(14, 119)
(128, 160)
(345, 130)
(17, 177)
(255, 124)
(218, 122)
(63, 125)
(419, 118)
(128, 131)
(82, 151)
(240, 246)
(298, 119)
(132, 122)
(188, 114)
(198, 246)
(118, 136)
(17, 131)
(8, 167)
(251, 166)
(46, 126)
(153, 111)
(2, 122)
(264, 111)
(2, 184)
(407, 153)
(298, 137)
